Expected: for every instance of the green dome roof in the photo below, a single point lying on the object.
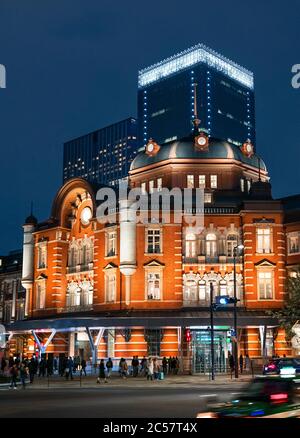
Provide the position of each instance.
(185, 148)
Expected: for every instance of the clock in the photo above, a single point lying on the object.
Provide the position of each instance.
(152, 147)
(201, 141)
(248, 148)
(86, 216)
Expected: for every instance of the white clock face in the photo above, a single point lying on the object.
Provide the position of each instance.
(201, 141)
(86, 216)
(150, 147)
(249, 148)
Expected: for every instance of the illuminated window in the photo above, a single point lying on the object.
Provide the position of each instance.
(159, 184)
(293, 241)
(153, 285)
(110, 287)
(231, 244)
(190, 291)
(265, 285)
(190, 181)
(111, 243)
(151, 186)
(202, 181)
(41, 294)
(264, 240)
(190, 245)
(42, 256)
(213, 181)
(202, 290)
(207, 198)
(248, 185)
(242, 184)
(211, 245)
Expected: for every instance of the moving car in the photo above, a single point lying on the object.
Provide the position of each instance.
(277, 366)
(264, 397)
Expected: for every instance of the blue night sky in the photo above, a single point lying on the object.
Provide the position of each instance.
(72, 68)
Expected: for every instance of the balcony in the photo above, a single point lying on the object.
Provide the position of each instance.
(80, 268)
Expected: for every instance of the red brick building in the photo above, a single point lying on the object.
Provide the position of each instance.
(120, 289)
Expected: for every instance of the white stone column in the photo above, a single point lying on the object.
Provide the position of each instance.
(27, 268)
(71, 346)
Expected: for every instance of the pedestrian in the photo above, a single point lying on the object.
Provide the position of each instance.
(42, 368)
(150, 369)
(123, 368)
(69, 368)
(55, 363)
(144, 366)
(109, 367)
(241, 362)
(32, 369)
(169, 365)
(3, 365)
(247, 363)
(83, 367)
(156, 369)
(101, 372)
(11, 361)
(165, 366)
(231, 363)
(49, 366)
(23, 374)
(135, 366)
(14, 374)
(177, 364)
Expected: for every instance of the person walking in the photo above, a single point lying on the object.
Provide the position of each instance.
(124, 368)
(247, 363)
(241, 362)
(32, 369)
(69, 368)
(83, 367)
(42, 368)
(23, 374)
(150, 369)
(144, 366)
(109, 367)
(135, 366)
(165, 366)
(101, 372)
(231, 363)
(156, 369)
(55, 364)
(14, 374)
(3, 366)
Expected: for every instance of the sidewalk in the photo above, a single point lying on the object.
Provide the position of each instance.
(58, 382)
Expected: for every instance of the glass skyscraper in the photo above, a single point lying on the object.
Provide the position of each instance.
(224, 95)
(103, 156)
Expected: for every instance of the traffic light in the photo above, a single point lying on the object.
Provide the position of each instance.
(188, 335)
(225, 299)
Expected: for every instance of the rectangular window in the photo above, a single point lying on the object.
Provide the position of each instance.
(265, 285)
(207, 198)
(159, 184)
(202, 181)
(248, 185)
(143, 188)
(42, 256)
(264, 240)
(153, 286)
(110, 280)
(190, 181)
(153, 338)
(151, 186)
(111, 243)
(153, 241)
(41, 295)
(213, 181)
(293, 240)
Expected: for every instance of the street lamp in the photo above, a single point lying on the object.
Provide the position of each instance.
(236, 250)
(212, 347)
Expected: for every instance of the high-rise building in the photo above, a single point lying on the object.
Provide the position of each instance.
(103, 156)
(224, 97)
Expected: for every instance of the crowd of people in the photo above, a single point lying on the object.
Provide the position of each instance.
(151, 368)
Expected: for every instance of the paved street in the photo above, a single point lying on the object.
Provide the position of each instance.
(175, 397)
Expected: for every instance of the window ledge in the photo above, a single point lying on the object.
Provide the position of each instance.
(264, 253)
(111, 257)
(153, 254)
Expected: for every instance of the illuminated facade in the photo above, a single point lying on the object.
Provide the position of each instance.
(225, 97)
(103, 156)
(121, 289)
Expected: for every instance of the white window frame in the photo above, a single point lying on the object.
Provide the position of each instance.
(190, 181)
(242, 183)
(159, 184)
(154, 272)
(202, 181)
(42, 255)
(207, 198)
(41, 294)
(211, 244)
(110, 280)
(262, 237)
(213, 181)
(111, 242)
(151, 186)
(153, 232)
(293, 235)
(262, 272)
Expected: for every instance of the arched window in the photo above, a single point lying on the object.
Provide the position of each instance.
(190, 289)
(73, 295)
(231, 244)
(211, 245)
(202, 290)
(190, 245)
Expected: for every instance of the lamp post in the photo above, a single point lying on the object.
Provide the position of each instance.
(212, 347)
(236, 250)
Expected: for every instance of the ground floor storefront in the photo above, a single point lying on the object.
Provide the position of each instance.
(185, 335)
